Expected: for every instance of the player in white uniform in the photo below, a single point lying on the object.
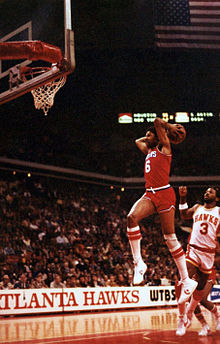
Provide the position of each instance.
(200, 253)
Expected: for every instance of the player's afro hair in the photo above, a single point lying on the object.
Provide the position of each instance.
(216, 188)
(152, 130)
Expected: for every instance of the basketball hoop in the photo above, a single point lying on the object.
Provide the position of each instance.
(44, 94)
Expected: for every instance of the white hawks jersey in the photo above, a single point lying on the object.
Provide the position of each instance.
(205, 227)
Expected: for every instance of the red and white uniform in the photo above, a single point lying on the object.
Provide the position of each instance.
(157, 169)
(156, 173)
(203, 239)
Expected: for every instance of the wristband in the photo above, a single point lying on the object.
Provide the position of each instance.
(183, 206)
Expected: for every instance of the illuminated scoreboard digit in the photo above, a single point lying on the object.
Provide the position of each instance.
(167, 116)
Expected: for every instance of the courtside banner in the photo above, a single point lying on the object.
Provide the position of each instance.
(27, 301)
(121, 297)
(31, 301)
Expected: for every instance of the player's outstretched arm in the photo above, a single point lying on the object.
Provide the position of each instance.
(162, 127)
(185, 212)
(141, 144)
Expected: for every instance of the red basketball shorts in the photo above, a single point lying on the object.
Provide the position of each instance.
(163, 200)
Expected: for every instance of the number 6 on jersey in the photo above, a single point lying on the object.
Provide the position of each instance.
(147, 166)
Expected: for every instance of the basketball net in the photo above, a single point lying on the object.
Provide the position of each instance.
(44, 95)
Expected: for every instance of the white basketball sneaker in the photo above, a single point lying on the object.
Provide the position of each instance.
(205, 331)
(139, 270)
(181, 328)
(188, 287)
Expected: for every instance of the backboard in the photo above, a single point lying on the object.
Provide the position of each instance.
(47, 21)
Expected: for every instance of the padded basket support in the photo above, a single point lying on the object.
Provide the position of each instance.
(31, 50)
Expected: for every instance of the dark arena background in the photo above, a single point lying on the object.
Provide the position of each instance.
(69, 179)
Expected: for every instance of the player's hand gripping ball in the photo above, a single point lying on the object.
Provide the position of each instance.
(176, 134)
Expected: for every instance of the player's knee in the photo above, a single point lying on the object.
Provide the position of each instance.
(171, 240)
(132, 220)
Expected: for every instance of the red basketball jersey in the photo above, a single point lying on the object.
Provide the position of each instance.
(157, 168)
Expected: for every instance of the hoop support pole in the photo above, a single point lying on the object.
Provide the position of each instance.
(69, 35)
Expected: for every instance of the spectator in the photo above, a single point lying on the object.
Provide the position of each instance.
(73, 282)
(5, 284)
(82, 282)
(38, 282)
(57, 282)
(22, 283)
(95, 282)
(165, 281)
(8, 250)
(104, 280)
(111, 282)
(121, 282)
(71, 272)
(67, 282)
(174, 279)
(62, 239)
(27, 242)
(66, 268)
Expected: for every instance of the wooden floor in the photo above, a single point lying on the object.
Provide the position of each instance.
(130, 327)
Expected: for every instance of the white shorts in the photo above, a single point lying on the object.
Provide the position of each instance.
(204, 261)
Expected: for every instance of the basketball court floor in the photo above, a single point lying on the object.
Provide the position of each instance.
(127, 327)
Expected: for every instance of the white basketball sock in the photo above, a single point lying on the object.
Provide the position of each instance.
(134, 237)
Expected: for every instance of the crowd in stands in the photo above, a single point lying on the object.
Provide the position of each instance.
(64, 235)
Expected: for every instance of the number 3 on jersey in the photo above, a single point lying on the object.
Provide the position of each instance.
(147, 166)
(204, 229)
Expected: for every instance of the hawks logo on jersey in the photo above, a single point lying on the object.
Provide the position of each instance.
(206, 217)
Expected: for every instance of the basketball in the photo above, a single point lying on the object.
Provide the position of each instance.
(179, 137)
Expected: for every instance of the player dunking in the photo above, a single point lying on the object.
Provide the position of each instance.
(201, 250)
(159, 197)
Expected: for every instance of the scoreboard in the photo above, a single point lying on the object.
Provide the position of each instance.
(175, 117)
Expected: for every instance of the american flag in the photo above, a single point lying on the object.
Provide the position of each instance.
(187, 24)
